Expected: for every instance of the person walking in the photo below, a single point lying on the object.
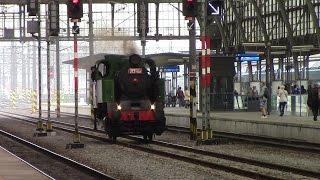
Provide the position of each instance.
(264, 101)
(283, 94)
(277, 92)
(313, 101)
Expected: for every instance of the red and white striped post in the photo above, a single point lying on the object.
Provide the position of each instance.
(76, 138)
(206, 132)
(203, 85)
(208, 84)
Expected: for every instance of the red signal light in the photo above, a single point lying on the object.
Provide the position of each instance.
(75, 1)
(189, 1)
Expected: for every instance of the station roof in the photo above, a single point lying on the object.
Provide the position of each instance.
(93, 1)
(161, 59)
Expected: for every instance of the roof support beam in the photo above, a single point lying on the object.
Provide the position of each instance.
(314, 19)
(94, 1)
(232, 36)
(242, 32)
(223, 34)
(238, 20)
(260, 20)
(285, 19)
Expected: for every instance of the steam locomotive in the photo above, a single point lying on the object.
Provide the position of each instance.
(129, 96)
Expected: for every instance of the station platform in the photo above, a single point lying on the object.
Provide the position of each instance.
(287, 127)
(12, 167)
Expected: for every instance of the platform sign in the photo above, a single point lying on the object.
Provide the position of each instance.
(215, 8)
(170, 68)
(247, 57)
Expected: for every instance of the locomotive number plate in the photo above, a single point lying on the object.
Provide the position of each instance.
(135, 70)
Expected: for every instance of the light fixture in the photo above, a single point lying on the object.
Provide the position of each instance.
(253, 44)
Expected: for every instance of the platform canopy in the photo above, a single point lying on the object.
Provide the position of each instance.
(161, 59)
(93, 1)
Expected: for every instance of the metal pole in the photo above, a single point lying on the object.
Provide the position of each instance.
(75, 66)
(1, 73)
(28, 70)
(24, 71)
(143, 28)
(58, 76)
(300, 73)
(48, 77)
(1, 77)
(76, 136)
(40, 126)
(49, 125)
(193, 79)
(203, 69)
(208, 83)
(91, 51)
(268, 84)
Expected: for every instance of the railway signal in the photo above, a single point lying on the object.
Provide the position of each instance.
(33, 7)
(190, 8)
(53, 16)
(75, 9)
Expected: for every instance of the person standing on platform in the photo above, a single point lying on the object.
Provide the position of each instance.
(186, 97)
(264, 101)
(255, 91)
(313, 100)
(180, 97)
(283, 94)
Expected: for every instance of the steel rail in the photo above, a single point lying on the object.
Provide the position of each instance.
(282, 143)
(73, 163)
(202, 152)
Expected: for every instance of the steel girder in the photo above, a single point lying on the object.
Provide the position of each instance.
(238, 20)
(260, 20)
(93, 1)
(286, 20)
(242, 32)
(314, 18)
(223, 35)
(100, 38)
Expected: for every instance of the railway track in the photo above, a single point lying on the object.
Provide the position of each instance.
(76, 167)
(288, 144)
(231, 164)
(281, 143)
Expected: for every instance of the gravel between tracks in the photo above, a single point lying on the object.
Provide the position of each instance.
(120, 162)
(280, 156)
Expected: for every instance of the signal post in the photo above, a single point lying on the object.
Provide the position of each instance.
(203, 11)
(33, 8)
(75, 12)
(190, 11)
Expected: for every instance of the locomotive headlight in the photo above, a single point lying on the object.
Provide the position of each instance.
(153, 107)
(119, 107)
